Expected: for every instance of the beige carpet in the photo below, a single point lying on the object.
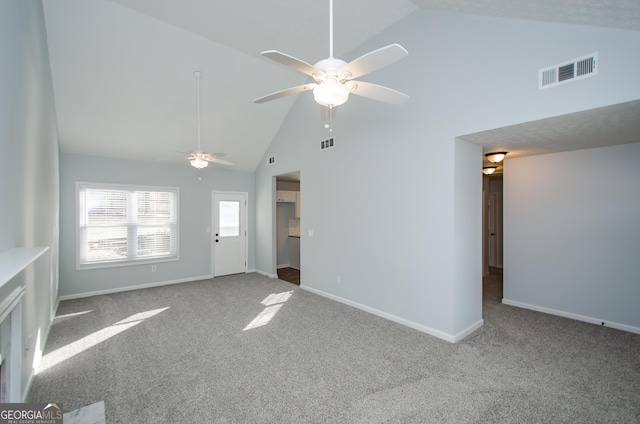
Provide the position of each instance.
(251, 349)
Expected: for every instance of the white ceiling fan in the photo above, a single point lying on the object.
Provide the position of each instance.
(334, 78)
(198, 158)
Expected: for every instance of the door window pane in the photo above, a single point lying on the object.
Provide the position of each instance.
(229, 214)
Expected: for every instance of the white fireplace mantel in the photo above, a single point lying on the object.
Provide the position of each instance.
(13, 261)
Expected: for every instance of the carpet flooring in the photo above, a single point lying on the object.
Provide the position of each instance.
(246, 348)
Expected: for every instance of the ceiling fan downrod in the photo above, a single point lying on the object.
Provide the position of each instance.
(330, 28)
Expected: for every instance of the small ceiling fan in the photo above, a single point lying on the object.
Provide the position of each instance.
(334, 78)
(198, 158)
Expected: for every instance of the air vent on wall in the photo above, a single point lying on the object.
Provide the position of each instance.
(582, 67)
(326, 144)
(271, 160)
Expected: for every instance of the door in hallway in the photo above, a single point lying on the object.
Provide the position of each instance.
(492, 218)
(230, 233)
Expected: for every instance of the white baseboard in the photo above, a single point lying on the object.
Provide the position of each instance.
(591, 320)
(138, 287)
(470, 329)
(266, 274)
(431, 331)
(283, 266)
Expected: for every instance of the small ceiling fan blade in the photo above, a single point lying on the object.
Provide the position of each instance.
(375, 60)
(290, 62)
(287, 92)
(378, 92)
(213, 159)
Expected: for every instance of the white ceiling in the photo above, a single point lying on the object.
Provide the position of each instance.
(606, 126)
(122, 69)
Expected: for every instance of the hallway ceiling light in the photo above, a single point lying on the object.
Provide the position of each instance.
(488, 170)
(495, 157)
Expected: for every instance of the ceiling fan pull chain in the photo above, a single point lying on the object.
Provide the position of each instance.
(328, 118)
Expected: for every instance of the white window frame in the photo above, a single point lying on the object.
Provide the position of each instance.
(128, 261)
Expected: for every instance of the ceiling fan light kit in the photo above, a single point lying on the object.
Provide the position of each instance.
(496, 157)
(334, 77)
(331, 93)
(199, 163)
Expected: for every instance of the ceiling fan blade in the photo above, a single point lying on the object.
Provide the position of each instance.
(287, 92)
(378, 92)
(290, 62)
(211, 158)
(375, 60)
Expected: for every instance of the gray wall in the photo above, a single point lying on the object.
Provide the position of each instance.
(394, 205)
(29, 166)
(572, 232)
(194, 213)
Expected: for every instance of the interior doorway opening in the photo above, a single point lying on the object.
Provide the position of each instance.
(492, 236)
(288, 205)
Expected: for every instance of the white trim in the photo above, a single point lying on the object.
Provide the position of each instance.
(590, 320)
(283, 266)
(138, 287)
(10, 302)
(423, 328)
(470, 329)
(266, 274)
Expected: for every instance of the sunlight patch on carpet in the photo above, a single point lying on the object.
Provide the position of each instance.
(52, 359)
(273, 303)
(74, 314)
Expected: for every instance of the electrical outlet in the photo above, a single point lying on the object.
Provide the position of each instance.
(153, 268)
(339, 279)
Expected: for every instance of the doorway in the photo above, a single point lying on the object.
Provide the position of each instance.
(288, 201)
(492, 245)
(229, 233)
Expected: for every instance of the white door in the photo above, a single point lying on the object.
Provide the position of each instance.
(492, 218)
(230, 233)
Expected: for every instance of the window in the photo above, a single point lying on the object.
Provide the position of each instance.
(229, 218)
(124, 225)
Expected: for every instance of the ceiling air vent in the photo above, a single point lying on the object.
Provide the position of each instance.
(271, 160)
(582, 67)
(326, 144)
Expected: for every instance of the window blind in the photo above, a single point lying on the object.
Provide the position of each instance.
(119, 225)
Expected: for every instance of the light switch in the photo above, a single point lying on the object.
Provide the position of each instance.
(310, 233)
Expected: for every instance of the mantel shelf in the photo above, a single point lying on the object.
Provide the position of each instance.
(13, 261)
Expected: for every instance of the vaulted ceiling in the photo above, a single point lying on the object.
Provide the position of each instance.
(123, 69)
